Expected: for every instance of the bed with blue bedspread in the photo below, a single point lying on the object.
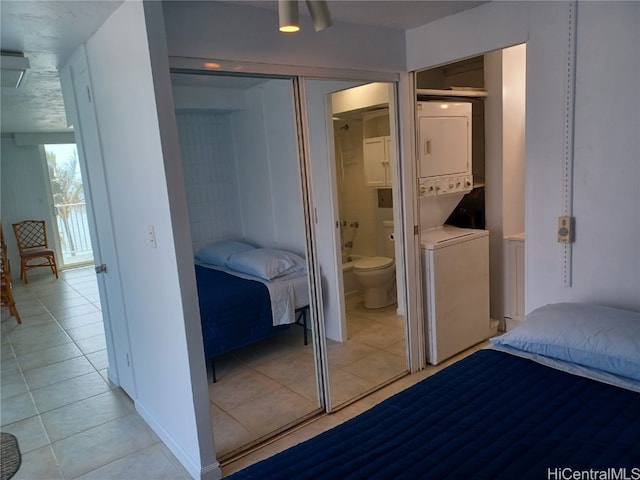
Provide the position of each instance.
(558, 395)
(247, 294)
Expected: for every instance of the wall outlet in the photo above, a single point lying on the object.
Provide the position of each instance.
(565, 229)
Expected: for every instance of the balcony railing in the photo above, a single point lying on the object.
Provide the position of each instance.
(74, 233)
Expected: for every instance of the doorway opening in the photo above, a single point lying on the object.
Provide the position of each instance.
(352, 144)
(67, 192)
(493, 85)
(374, 350)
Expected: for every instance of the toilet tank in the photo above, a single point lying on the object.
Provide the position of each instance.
(387, 240)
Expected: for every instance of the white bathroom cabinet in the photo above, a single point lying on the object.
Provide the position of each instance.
(377, 154)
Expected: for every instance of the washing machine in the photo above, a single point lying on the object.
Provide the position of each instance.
(455, 267)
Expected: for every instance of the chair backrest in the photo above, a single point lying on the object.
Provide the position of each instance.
(31, 234)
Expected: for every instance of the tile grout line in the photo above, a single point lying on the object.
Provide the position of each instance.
(30, 391)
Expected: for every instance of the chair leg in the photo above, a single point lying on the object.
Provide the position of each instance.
(24, 267)
(23, 271)
(11, 302)
(13, 309)
(14, 312)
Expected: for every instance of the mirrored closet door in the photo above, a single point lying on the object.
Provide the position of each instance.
(352, 153)
(240, 154)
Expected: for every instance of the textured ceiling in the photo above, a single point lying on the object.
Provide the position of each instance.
(48, 32)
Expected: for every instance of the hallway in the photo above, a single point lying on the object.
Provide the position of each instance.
(70, 421)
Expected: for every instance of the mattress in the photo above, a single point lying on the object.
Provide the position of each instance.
(492, 415)
(286, 295)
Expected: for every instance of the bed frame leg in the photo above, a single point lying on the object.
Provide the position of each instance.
(304, 325)
(211, 370)
(303, 316)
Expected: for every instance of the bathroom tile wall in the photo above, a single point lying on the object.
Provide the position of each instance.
(357, 201)
(206, 146)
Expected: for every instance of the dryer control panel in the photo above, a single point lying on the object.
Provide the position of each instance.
(445, 184)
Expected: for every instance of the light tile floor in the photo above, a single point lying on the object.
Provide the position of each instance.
(325, 422)
(270, 386)
(70, 421)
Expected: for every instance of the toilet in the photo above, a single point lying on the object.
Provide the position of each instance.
(377, 275)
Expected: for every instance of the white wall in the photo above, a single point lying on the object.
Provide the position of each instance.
(134, 109)
(194, 98)
(606, 170)
(210, 176)
(504, 72)
(241, 170)
(514, 68)
(267, 168)
(607, 151)
(495, 133)
(284, 166)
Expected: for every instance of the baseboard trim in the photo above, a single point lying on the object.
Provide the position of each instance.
(197, 471)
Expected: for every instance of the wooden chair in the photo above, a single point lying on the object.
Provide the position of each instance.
(6, 292)
(32, 244)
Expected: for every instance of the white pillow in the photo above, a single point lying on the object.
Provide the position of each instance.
(594, 336)
(266, 263)
(218, 253)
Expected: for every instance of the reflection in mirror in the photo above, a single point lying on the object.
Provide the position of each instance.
(239, 148)
(352, 142)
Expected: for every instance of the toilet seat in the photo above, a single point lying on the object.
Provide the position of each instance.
(370, 264)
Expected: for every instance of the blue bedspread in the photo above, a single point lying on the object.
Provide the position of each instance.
(234, 311)
(489, 416)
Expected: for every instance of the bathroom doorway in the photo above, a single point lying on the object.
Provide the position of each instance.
(365, 328)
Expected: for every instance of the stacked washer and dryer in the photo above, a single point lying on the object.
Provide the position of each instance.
(455, 261)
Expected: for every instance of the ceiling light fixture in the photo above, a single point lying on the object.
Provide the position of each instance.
(14, 65)
(288, 15)
(319, 14)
